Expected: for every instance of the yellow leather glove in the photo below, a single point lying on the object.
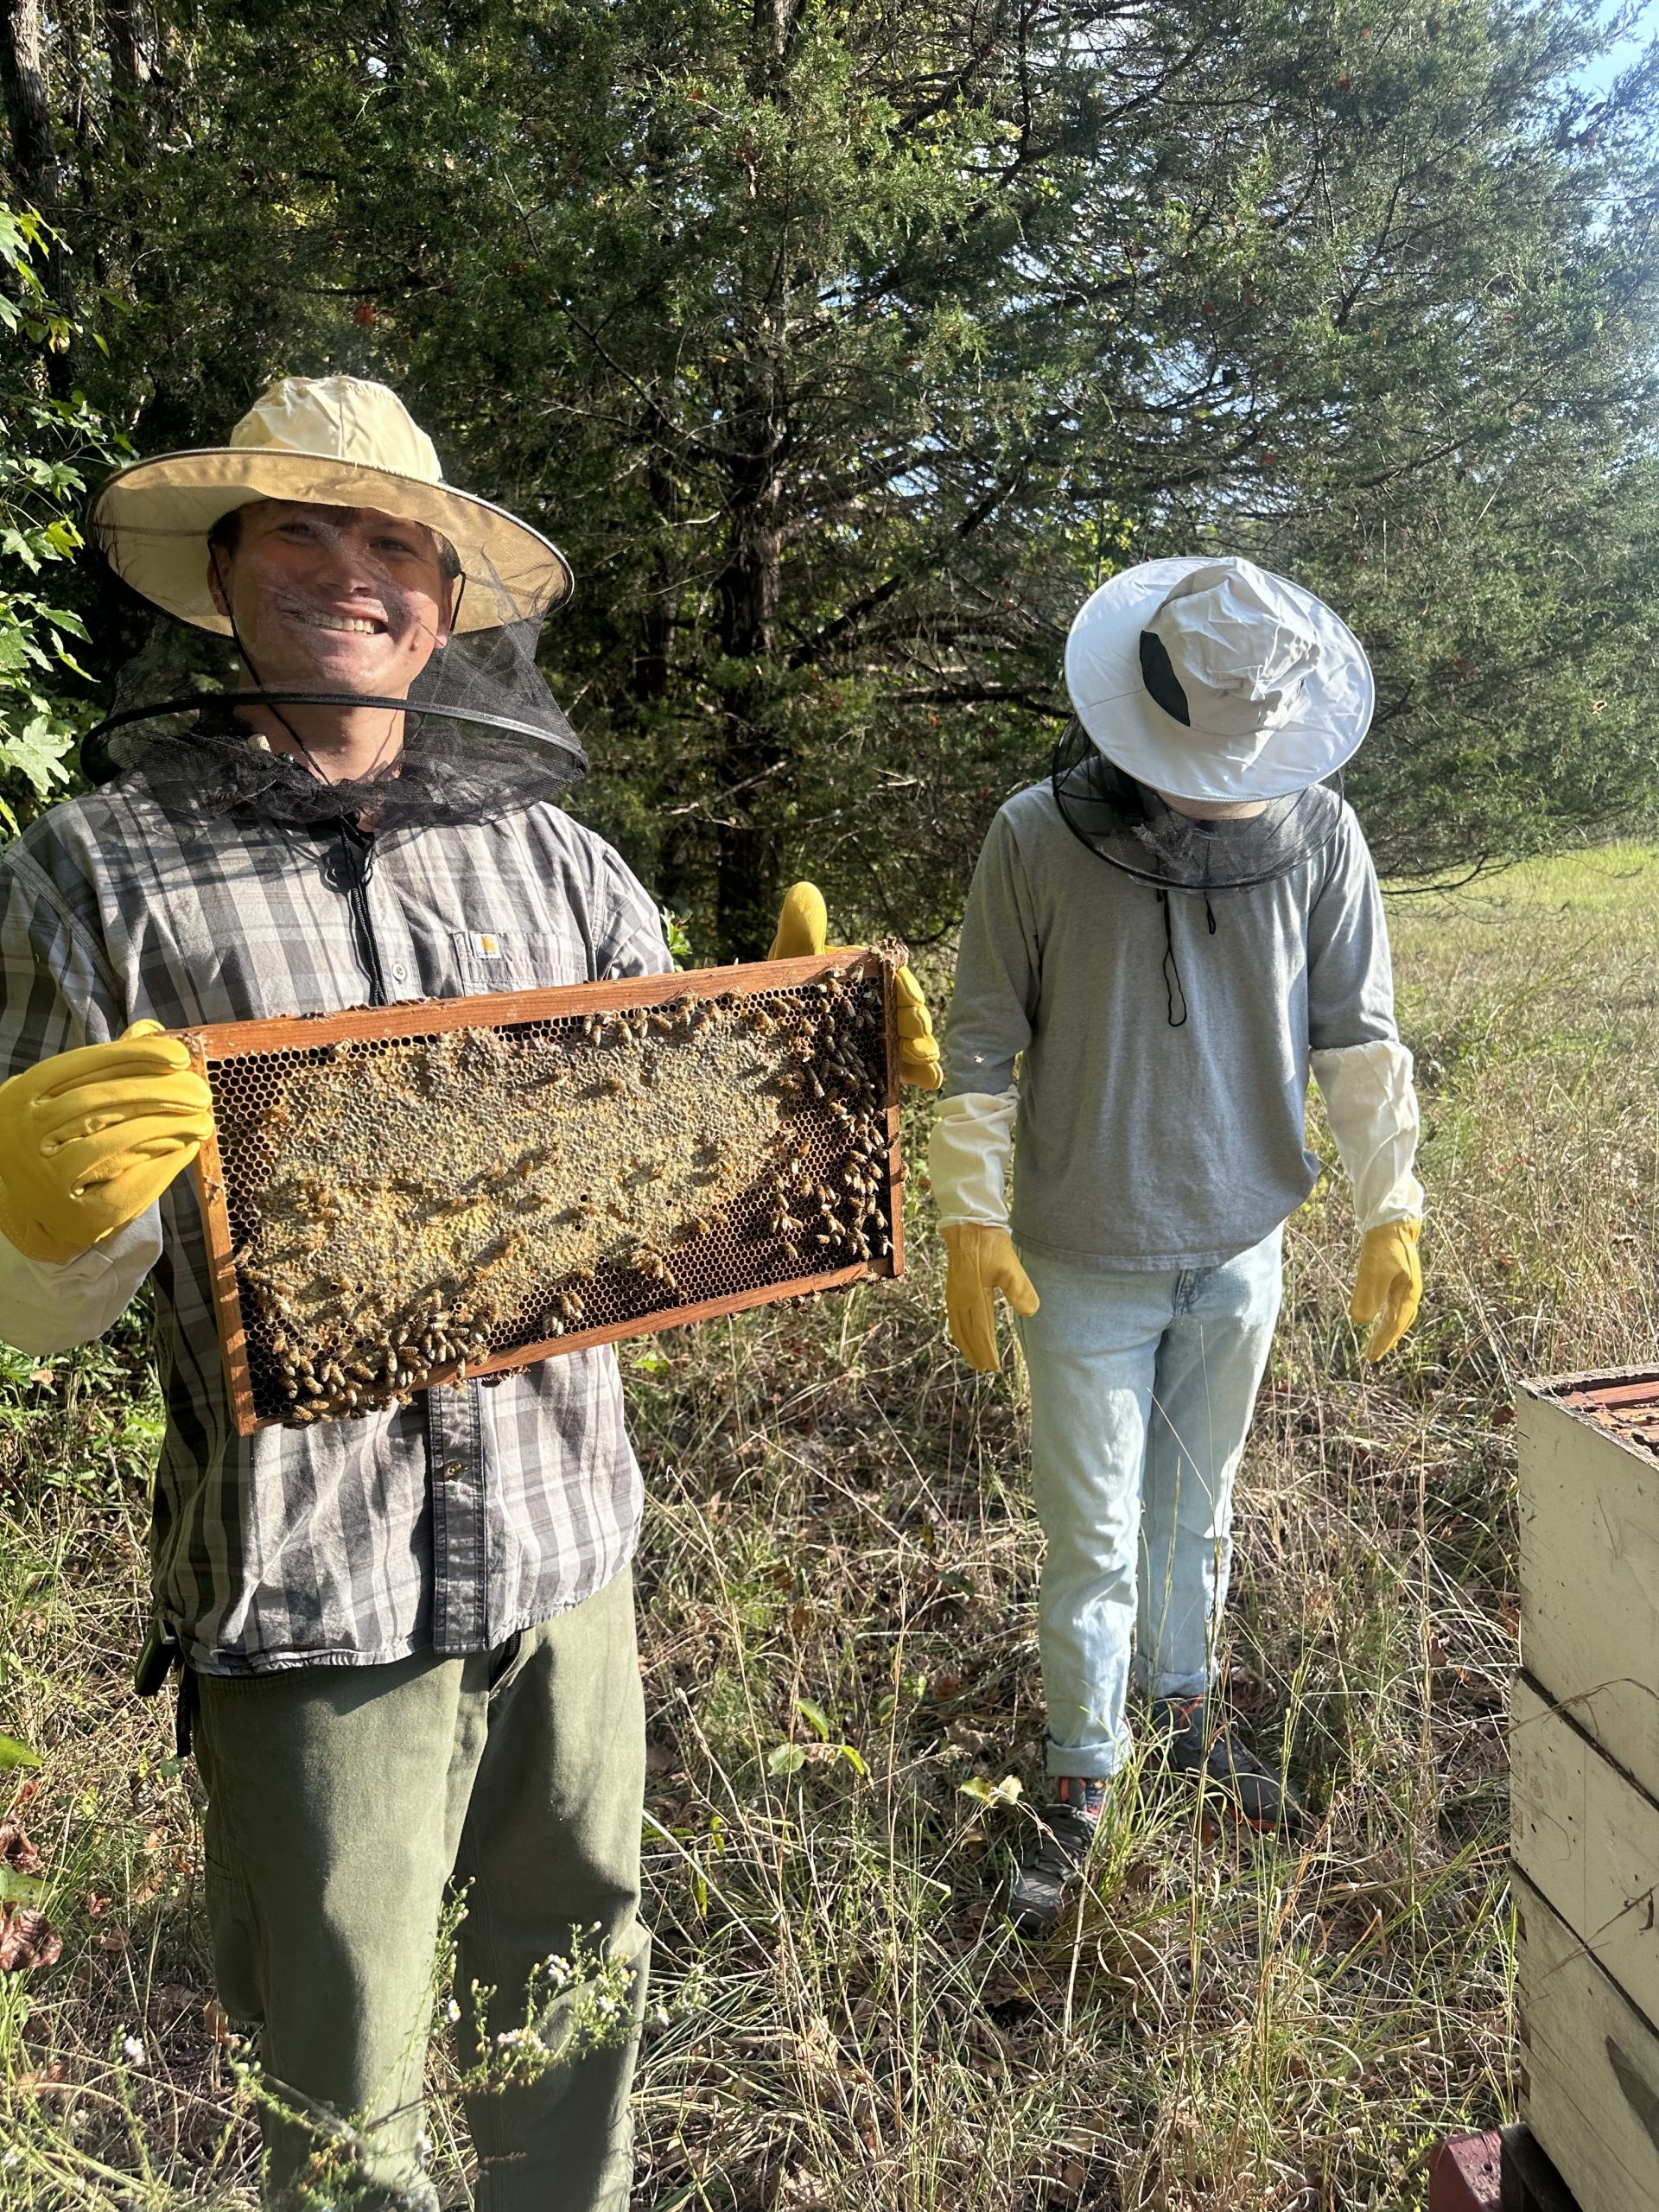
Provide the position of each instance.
(1389, 1288)
(982, 1261)
(803, 925)
(89, 1139)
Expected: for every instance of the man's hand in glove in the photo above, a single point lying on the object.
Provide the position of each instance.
(982, 1261)
(91, 1138)
(1389, 1286)
(803, 926)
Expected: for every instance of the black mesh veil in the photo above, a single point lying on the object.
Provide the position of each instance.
(477, 733)
(1129, 826)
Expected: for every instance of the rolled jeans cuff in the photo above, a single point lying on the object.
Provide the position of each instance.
(1178, 1686)
(1095, 1761)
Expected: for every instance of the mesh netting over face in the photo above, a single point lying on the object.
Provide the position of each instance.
(344, 692)
(1129, 826)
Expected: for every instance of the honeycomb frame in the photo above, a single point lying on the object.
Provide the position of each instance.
(831, 1101)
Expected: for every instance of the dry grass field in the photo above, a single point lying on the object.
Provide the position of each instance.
(837, 1580)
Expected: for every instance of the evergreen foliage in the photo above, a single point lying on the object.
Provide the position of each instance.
(845, 348)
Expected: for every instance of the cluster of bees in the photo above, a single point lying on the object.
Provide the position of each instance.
(773, 1174)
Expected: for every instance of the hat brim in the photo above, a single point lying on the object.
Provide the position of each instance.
(1102, 674)
(152, 520)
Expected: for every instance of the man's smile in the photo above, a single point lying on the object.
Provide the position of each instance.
(363, 626)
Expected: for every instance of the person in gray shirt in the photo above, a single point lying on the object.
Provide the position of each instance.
(1165, 941)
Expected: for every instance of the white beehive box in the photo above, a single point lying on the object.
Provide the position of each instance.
(1585, 1798)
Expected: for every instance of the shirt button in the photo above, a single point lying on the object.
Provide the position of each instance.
(399, 973)
(453, 1467)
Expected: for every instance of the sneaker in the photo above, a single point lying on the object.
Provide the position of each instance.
(1196, 1742)
(1067, 1829)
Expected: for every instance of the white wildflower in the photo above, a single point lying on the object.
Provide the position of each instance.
(132, 2049)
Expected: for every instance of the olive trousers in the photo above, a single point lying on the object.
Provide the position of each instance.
(343, 1803)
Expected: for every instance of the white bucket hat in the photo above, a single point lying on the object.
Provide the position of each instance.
(336, 442)
(1277, 691)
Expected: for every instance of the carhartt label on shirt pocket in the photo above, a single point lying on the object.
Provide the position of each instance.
(500, 960)
(489, 949)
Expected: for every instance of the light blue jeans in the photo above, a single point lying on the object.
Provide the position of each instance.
(1142, 1386)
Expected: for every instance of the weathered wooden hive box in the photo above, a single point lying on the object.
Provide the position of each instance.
(1586, 1782)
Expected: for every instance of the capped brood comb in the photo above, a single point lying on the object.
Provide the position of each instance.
(400, 1197)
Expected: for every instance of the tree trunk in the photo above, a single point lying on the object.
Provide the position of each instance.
(747, 861)
(34, 156)
(677, 873)
(34, 151)
(131, 62)
(747, 873)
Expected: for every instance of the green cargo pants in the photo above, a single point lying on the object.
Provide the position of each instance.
(342, 1802)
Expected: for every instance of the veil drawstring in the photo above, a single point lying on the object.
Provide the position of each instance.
(1173, 989)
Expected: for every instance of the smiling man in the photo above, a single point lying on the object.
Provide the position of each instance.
(408, 1640)
(341, 599)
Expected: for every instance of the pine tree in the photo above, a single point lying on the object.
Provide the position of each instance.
(845, 348)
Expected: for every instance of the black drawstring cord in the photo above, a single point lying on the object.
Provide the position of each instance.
(1172, 968)
(357, 851)
(1173, 985)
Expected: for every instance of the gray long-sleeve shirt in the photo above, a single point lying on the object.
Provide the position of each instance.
(1140, 1144)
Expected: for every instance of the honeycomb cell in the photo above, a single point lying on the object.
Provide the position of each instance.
(402, 1210)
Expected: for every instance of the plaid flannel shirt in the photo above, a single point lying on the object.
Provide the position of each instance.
(478, 1510)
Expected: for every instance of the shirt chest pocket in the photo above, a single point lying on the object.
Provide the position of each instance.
(519, 960)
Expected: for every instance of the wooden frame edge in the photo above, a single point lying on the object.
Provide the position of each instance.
(211, 1042)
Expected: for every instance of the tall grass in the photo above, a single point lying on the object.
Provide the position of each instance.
(837, 1608)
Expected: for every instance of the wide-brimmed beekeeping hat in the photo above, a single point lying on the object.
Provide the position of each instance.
(1218, 680)
(337, 442)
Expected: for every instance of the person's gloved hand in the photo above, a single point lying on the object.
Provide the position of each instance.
(803, 925)
(982, 1261)
(1389, 1286)
(89, 1139)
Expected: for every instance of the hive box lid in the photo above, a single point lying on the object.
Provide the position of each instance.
(1621, 1404)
